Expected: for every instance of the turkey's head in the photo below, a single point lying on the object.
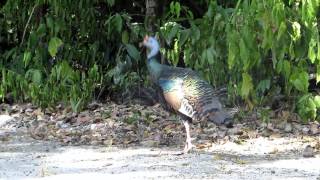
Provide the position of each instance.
(152, 45)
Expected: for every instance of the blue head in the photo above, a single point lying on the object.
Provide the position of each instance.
(152, 44)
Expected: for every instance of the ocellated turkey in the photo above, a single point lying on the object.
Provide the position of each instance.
(185, 91)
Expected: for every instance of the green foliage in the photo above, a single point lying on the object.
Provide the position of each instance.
(61, 51)
(286, 34)
(256, 47)
(246, 86)
(54, 44)
(64, 51)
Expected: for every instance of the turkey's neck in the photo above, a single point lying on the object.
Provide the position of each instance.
(154, 66)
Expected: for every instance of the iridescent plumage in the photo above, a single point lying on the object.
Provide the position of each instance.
(185, 91)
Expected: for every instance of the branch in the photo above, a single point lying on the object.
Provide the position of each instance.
(25, 28)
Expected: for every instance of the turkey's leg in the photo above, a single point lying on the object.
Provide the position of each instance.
(189, 145)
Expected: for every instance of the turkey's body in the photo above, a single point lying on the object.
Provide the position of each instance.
(186, 93)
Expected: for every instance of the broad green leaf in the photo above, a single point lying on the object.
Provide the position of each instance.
(318, 47)
(33, 39)
(34, 75)
(175, 54)
(279, 66)
(296, 31)
(54, 44)
(210, 56)
(203, 59)
(306, 108)
(49, 22)
(286, 68)
(57, 27)
(233, 49)
(111, 2)
(247, 85)
(75, 104)
(177, 9)
(41, 31)
(318, 74)
(93, 72)
(300, 81)
(125, 37)
(317, 101)
(117, 22)
(195, 33)
(133, 52)
(311, 51)
(244, 55)
(281, 31)
(183, 36)
(172, 8)
(263, 85)
(173, 32)
(231, 56)
(26, 58)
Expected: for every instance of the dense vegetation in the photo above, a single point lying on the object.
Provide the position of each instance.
(266, 52)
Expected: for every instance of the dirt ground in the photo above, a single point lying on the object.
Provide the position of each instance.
(117, 141)
(22, 157)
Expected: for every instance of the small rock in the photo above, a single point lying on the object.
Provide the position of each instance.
(235, 131)
(28, 110)
(66, 139)
(297, 126)
(93, 126)
(250, 134)
(4, 136)
(39, 132)
(107, 142)
(305, 130)
(308, 151)
(59, 124)
(94, 105)
(222, 134)
(263, 125)
(210, 130)
(5, 119)
(276, 135)
(14, 109)
(150, 143)
(95, 142)
(288, 128)
(314, 129)
(281, 125)
(270, 127)
(266, 133)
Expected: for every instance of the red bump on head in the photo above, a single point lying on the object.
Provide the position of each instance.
(146, 37)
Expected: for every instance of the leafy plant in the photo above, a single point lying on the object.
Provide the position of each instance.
(254, 47)
(64, 52)
(61, 51)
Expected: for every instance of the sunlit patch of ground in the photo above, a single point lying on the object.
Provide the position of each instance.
(142, 142)
(259, 158)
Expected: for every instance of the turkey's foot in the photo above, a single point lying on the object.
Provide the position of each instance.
(188, 146)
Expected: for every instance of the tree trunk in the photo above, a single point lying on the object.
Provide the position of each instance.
(152, 13)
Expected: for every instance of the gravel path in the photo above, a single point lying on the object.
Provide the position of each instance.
(22, 157)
